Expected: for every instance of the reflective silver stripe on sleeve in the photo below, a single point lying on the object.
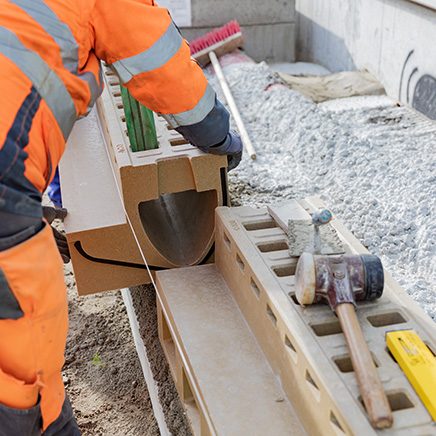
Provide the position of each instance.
(58, 30)
(94, 87)
(45, 80)
(196, 114)
(154, 57)
(64, 38)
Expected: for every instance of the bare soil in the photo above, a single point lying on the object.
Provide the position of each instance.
(102, 372)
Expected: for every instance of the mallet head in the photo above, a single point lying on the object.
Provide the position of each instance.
(338, 279)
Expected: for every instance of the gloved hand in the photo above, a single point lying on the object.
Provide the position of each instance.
(232, 147)
(50, 214)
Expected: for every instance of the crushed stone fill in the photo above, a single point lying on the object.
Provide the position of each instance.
(371, 161)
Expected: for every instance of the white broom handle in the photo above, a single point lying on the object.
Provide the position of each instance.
(233, 108)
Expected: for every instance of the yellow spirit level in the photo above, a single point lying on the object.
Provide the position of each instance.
(417, 362)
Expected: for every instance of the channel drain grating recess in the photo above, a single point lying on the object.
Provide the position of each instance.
(305, 345)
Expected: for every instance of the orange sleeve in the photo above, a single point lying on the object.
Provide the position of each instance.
(144, 46)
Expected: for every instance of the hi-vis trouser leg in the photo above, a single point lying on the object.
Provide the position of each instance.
(33, 301)
(33, 331)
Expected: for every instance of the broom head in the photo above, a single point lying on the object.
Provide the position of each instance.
(220, 41)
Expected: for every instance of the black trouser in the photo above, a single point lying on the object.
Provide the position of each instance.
(17, 422)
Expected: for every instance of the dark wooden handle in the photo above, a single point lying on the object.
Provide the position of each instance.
(373, 395)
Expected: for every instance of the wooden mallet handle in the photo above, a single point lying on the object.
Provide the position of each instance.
(373, 395)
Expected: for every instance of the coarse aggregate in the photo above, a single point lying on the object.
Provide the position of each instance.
(371, 160)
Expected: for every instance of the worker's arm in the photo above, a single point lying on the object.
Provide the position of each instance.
(142, 44)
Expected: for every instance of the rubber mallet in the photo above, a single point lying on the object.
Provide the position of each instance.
(341, 281)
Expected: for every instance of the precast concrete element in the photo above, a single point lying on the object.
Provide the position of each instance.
(304, 346)
(224, 382)
(269, 27)
(162, 199)
(388, 38)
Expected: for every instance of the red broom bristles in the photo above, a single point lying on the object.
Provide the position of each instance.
(215, 36)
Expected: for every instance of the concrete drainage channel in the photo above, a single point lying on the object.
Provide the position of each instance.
(278, 322)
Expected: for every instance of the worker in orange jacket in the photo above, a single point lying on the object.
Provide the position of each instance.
(50, 52)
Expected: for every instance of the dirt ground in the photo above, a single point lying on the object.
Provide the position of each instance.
(102, 373)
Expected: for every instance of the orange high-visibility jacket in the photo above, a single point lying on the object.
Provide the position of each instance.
(57, 45)
(50, 52)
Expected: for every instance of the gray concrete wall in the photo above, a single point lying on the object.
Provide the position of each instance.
(393, 39)
(269, 26)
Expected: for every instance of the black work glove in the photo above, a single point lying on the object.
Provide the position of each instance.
(50, 214)
(232, 147)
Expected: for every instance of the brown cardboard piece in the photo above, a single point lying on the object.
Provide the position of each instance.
(162, 199)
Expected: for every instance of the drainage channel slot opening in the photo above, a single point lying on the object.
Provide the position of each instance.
(271, 315)
(429, 348)
(291, 349)
(267, 247)
(294, 298)
(284, 270)
(397, 401)
(336, 425)
(345, 365)
(313, 386)
(391, 355)
(240, 262)
(327, 328)
(255, 288)
(227, 241)
(178, 141)
(385, 319)
(259, 225)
